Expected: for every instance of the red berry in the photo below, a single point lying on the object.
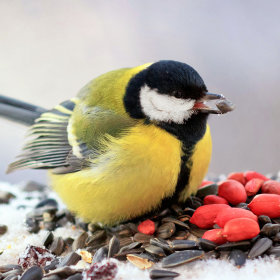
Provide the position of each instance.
(214, 199)
(266, 204)
(241, 229)
(147, 227)
(215, 235)
(206, 183)
(205, 215)
(35, 256)
(249, 175)
(99, 271)
(232, 191)
(271, 187)
(253, 186)
(237, 176)
(232, 213)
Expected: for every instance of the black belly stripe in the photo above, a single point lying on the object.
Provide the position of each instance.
(189, 134)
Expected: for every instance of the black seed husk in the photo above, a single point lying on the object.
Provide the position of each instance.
(207, 245)
(239, 245)
(8, 267)
(260, 247)
(238, 257)
(48, 239)
(33, 273)
(100, 254)
(114, 246)
(71, 259)
(183, 244)
(158, 273)
(182, 257)
(80, 241)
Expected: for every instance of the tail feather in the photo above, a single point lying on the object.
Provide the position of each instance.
(19, 111)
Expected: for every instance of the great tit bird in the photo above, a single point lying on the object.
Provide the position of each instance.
(132, 140)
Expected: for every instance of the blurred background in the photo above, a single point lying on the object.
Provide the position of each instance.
(50, 49)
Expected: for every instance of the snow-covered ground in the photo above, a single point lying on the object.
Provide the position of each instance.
(13, 243)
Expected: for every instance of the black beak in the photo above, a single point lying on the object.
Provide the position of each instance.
(223, 105)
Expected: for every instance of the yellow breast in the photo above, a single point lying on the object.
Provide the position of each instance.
(130, 178)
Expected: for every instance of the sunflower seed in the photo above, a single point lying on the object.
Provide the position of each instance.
(242, 205)
(239, 245)
(12, 272)
(57, 246)
(125, 241)
(53, 265)
(71, 259)
(97, 236)
(175, 221)
(47, 202)
(100, 254)
(122, 255)
(8, 267)
(12, 277)
(80, 242)
(277, 237)
(260, 247)
(198, 232)
(238, 257)
(181, 235)
(162, 244)
(155, 250)
(158, 273)
(166, 230)
(207, 245)
(141, 237)
(183, 244)
(270, 229)
(182, 257)
(274, 251)
(194, 202)
(262, 219)
(184, 218)
(140, 262)
(63, 272)
(207, 190)
(133, 245)
(48, 239)
(32, 225)
(114, 246)
(33, 273)
(188, 211)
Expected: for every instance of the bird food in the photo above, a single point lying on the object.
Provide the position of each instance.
(198, 229)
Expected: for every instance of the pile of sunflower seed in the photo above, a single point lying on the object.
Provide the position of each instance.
(175, 242)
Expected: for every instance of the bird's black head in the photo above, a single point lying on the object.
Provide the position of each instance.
(167, 91)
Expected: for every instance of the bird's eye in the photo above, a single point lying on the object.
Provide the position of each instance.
(177, 94)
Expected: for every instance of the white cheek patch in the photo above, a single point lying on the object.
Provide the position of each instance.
(162, 107)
